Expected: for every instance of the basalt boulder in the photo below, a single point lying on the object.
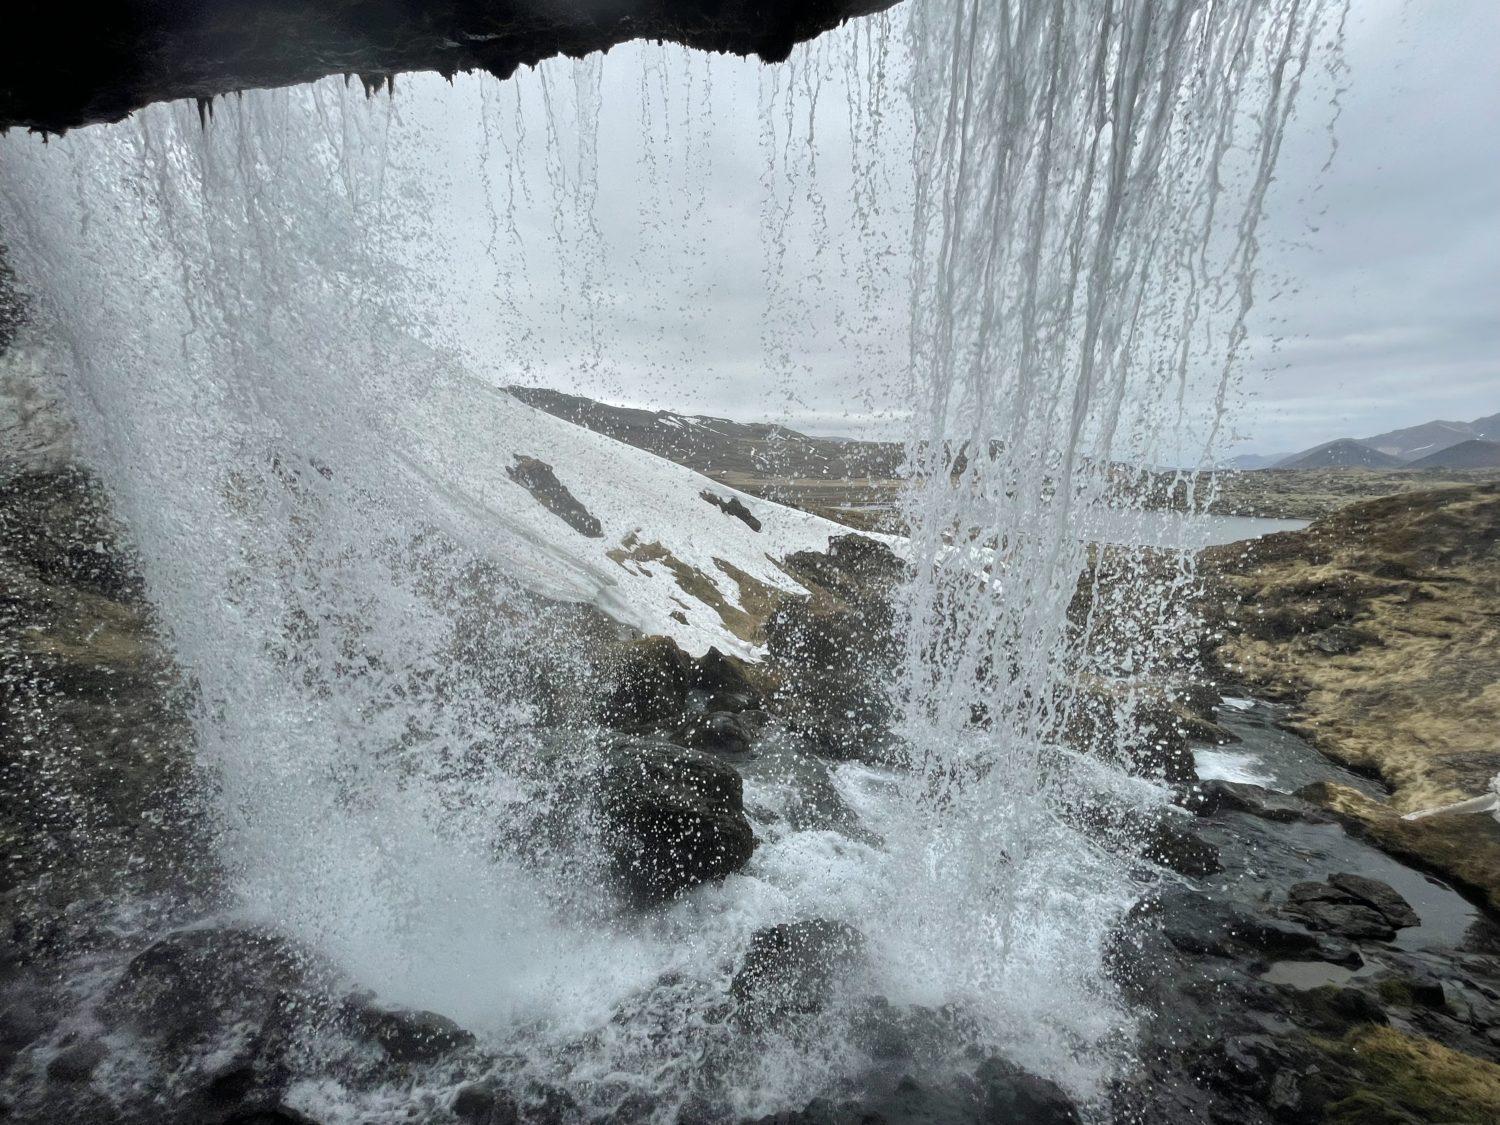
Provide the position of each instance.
(792, 970)
(670, 818)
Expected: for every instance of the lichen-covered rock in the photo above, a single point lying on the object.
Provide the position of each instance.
(670, 818)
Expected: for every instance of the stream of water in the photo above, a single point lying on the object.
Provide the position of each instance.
(251, 314)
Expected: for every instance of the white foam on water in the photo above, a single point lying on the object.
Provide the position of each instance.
(1234, 765)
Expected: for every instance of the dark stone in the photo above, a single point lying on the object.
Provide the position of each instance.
(1196, 924)
(1015, 1095)
(483, 1103)
(21, 1023)
(721, 732)
(1351, 906)
(792, 969)
(408, 1036)
(1178, 848)
(732, 507)
(193, 985)
(671, 818)
(78, 1062)
(721, 676)
(1379, 896)
(651, 684)
(820, 1111)
(273, 1115)
(1236, 796)
(1334, 1009)
(537, 478)
(138, 51)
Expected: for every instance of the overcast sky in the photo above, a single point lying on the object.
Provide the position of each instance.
(665, 283)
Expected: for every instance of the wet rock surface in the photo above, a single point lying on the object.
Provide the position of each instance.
(671, 818)
(1260, 1006)
(832, 650)
(792, 969)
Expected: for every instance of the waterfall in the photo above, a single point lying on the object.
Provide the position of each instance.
(264, 335)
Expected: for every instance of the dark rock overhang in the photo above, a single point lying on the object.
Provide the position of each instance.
(63, 64)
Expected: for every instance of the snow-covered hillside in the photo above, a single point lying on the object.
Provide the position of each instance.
(636, 535)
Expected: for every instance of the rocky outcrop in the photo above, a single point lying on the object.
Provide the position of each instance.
(1378, 626)
(537, 478)
(64, 67)
(791, 970)
(833, 651)
(1254, 1010)
(670, 818)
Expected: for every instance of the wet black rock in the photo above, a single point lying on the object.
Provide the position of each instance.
(656, 685)
(272, 1115)
(1381, 896)
(720, 732)
(821, 1111)
(1011, 1094)
(835, 651)
(723, 680)
(732, 507)
(652, 677)
(407, 1035)
(485, 1103)
(671, 818)
(192, 987)
(1351, 906)
(1209, 797)
(78, 1062)
(1196, 924)
(792, 969)
(537, 478)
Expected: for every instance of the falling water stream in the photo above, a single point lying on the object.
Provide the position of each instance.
(263, 325)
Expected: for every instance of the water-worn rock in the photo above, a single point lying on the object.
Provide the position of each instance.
(720, 732)
(408, 1036)
(78, 1062)
(1351, 906)
(792, 969)
(835, 649)
(1011, 1094)
(670, 817)
(484, 1103)
(191, 987)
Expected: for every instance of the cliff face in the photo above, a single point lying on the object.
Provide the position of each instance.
(61, 67)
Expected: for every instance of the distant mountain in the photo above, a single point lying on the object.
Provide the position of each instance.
(718, 445)
(1344, 453)
(1419, 441)
(1407, 445)
(1472, 454)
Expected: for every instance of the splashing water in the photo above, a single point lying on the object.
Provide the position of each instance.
(265, 370)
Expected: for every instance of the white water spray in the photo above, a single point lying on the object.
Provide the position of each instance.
(261, 373)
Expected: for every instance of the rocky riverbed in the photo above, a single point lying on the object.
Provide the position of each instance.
(1288, 961)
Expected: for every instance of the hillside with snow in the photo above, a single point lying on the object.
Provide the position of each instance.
(580, 517)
